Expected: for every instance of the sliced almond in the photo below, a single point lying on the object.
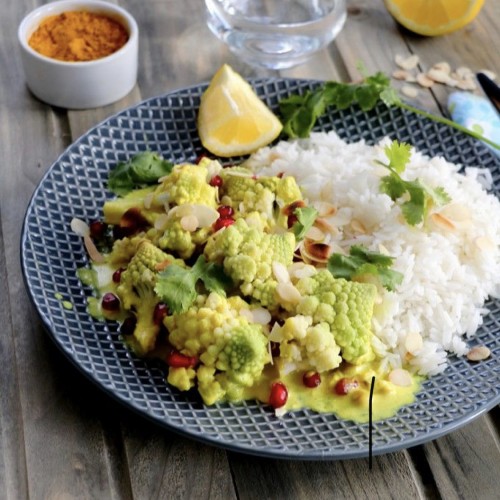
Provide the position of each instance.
(442, 66)
(315, 234)
(189, 223)
(288, 293)
(400, 74)
(325, 227)
(206, 215)
(484, 243)
(299, 270)
(161, 222)
(280, 272)
(407, 62)
(79, 227)
(413, 342)
(358, 226)
(424, 81)
(261, 316)
(442, 222)
(410, 92)
(478, 353)
(94, 254)
(438, 75)
(325, 209)
(315, 252)
(400, 377)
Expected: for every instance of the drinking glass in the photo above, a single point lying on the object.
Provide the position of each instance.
(276, 34)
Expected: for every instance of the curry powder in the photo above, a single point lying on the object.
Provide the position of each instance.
(78, 36)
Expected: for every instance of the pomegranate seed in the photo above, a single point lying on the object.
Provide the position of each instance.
(279, 395)
(311, 379)
(110, 302)
(345, 386)
(292, 219)
(128, 326)
(225, 211)
(280, 175)
(177, 360)
(216, 181)
(97, 229)
(161, 310)
(223, 222)
(117, 275)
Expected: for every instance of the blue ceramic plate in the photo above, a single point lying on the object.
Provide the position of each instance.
(75, 186)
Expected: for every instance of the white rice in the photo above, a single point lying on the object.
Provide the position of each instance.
(448, 274)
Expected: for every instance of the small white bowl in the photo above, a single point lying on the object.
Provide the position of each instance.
(80, 85)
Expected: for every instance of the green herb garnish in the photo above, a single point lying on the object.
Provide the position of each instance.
(306, 217)
(141, 170)
(177, 286)
(299, 113)
(420, 196)
(361, 262)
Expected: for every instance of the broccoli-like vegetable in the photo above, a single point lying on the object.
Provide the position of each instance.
(180, 241)
(247, 255)
(304, 346)
(136, 291)
(347, 308)
(246, 193)
(232, 351)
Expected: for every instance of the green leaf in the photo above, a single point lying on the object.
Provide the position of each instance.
(177, 286)
(306, 217)
(414, 209)
(398, 154)
(393, 186)
(361, 262)
(141, 170)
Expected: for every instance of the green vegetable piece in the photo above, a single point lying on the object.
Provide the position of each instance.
(176, 286)
(305, 220)
(141, 170)
(361, 262)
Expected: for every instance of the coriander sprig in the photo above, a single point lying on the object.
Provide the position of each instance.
(420, 197)
(299, 113)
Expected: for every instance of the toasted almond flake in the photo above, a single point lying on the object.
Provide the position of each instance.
(161, 222)
(276, 333)
(413, 342)
(189, 223)
(410, 92)
(206, 215)
(315, 234)
(442, 222)
(400, 74)
(407, 62)
(261, 316)
(438, 75)
(400, 377)
(478, 353)
(442, 66)
(424, 81)
(280, 272)
(315, 252)
(94, 254)
(327, 228)
(148, 200)
(489, 74)
(288, 293)
(484, 243)
(247, 314)
(325, 209)
(300, 270)
(358, 226)
(79, 227)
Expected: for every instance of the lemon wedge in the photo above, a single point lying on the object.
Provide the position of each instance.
(232, 120)
(434, 17)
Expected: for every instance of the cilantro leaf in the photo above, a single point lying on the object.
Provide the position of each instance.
(177, 286)
(306, 217)
(361, 262)
(415, 208)
(141, 170)
(393, 186)
(398, 154)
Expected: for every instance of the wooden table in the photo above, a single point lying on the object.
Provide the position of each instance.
(60, 436)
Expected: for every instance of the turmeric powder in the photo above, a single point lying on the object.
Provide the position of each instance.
(78, 36)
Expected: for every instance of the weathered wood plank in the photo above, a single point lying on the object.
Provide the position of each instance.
(390, 477)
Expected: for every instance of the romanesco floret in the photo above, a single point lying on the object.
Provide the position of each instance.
(123, 250)
(232, 351)
(182, 242)
(248, 254)
(245, 193)
(346, 306)
(136, 291)
(304, 346)
(186, 184)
